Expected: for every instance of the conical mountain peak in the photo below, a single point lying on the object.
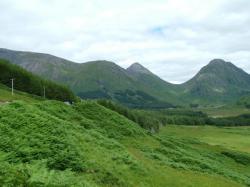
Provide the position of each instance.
(219, 66)
(138, 68)
(219, 63)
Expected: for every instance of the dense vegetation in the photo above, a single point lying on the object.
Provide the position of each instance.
(146, 122)
(54, 140)
(245, 101)
(27, 82)
(154, 119)
(48, 143)
(140, 99)
(189, 117)
(128, 98)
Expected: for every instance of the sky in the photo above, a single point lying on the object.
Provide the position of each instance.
(172, 38)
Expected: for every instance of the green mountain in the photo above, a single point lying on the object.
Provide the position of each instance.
(218, 82)
(96, 79)
(91, 143)
(154, 84)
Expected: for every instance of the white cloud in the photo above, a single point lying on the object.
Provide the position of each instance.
(173, 38)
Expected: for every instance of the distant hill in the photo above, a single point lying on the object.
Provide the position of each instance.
(96, 79)
(32, 84)
(219, 82)
(155, 85)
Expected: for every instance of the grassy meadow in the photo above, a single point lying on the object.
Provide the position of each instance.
(234, 138)
(226, 111)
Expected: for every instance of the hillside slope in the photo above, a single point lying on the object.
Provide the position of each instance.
(48, 143)
(46, 65)
(6, 96)
(156, 86)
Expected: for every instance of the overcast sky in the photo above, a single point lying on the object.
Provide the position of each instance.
(172, 38)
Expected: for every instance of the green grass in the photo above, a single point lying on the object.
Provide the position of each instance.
(167, 172)
(48, 143)
(58, 139)
(6, 96)
(234, 138)
(226, 111)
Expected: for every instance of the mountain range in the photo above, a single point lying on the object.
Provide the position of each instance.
(219, 82)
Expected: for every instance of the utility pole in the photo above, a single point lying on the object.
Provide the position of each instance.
(12, 86)
(44, 92)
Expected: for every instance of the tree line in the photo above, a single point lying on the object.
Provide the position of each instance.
(32, 84)
(154, 119)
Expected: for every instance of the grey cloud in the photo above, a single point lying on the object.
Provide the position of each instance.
(172, 39)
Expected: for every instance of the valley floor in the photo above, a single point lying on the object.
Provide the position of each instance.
(226, 111)
(189, 148)
(233, 138)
